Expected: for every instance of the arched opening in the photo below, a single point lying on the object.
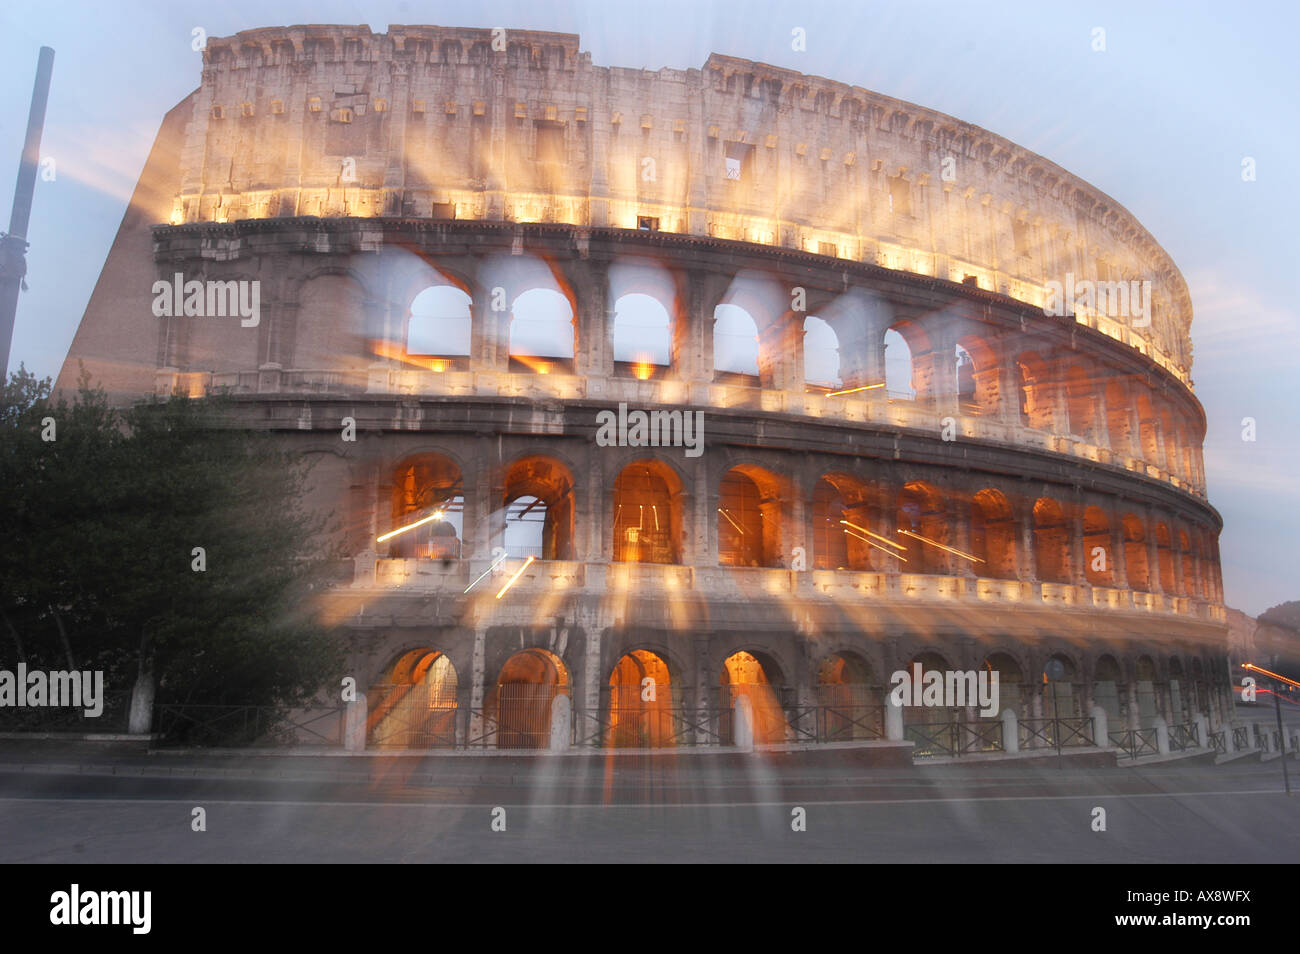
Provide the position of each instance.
(522, 697)
(332, 326)
(976, 376)
(1189, 564)
(898, 367)
(1097, 560)
(1117, 419)
(735, 346)
(841, 521)
(643, 336)
(427, 510)
(1165, 559)
(1173, 454)
(1010, 683)
(1035, 392)
(415, 706)
(1148, 692)
(647, 520)
(538, 504)
(1051, 541)
(1105, 691)
(1135, 554)
(821, 355)
(850, 694)
(993, 535)
(1081, 403)
(749, 519)
(642, 697)
(922, 523)
(757, 676)
(1148, 437)
(439, 324)
(542, 332)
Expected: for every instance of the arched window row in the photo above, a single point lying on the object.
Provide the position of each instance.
(756, 336)
(847, 524)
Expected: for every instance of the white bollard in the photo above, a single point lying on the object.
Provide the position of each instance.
(1162, 735)
(893, 720)
(743, 730)
(1100, 728)
(561, 731)
(354, 724)
(1010, 732)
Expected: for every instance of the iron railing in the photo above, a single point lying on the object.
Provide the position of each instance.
(953, 737)
(1218, 740)
(411, 716)
(235, 725)
(653, 726)
(1135, 742)
(1044, 732)
(1184, 736)
(1241, 737)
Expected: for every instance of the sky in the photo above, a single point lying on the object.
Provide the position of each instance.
(1161, 120)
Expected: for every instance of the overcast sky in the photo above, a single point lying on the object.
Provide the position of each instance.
(1160, 121)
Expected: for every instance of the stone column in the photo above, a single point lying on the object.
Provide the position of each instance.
(594, 356)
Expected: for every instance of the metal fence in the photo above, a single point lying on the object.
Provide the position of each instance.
(653, 726)
(1135, 742)
(1045, 732)
(235, 725)
(112, 718)
(953, 737)
(1184, 736)
(411, 716)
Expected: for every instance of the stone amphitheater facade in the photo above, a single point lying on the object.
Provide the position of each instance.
(1037, 492)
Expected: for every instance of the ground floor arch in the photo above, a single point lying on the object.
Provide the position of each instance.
(520, 702)
(850, 694)
(415, 704)
(642, 699)
(758, 676)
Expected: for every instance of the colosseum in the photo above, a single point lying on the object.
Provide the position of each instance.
(641, 393)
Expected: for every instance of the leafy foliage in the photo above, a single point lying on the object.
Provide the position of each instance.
(101, 524)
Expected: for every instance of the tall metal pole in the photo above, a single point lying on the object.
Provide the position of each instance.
(13, 245)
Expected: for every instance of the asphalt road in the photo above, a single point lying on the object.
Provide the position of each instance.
(712, 808)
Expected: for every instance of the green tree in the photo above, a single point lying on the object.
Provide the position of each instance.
(165, 544)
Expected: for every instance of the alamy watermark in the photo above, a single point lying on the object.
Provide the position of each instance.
(651, 429)
(208, 299)
(60, 689)
(948, 689)
(1113, 299)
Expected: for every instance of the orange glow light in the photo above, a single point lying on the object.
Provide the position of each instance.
(1272, 675)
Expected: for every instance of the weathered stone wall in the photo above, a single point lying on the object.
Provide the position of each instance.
(430, 121)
